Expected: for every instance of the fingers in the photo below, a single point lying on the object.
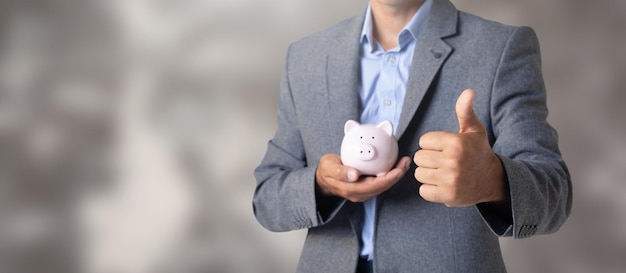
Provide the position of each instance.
(332, 168)
(428, 159)
(456, 168)
(430, 193)
(399, 170)
(427, 176)
(436, 141)
(333, 178)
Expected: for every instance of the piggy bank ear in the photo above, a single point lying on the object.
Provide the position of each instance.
(386, 126)
(350, 124)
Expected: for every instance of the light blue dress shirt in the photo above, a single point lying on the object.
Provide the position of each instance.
(384, 76)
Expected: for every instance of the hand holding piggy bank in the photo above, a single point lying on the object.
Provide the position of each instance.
(371, 149)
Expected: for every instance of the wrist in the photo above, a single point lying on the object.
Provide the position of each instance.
(500, 187)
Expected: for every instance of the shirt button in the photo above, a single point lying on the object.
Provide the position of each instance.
(387, 102)
(392, 59)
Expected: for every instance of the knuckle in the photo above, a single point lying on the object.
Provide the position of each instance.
(416, 173)
(427, 194)
(326, 159)
(419, 174)
(423, 139)
(416, 157)
(338, 171)
(422, 193)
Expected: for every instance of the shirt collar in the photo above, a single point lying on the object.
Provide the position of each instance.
(413, 27)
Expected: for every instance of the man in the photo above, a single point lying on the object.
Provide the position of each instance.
(486, 162)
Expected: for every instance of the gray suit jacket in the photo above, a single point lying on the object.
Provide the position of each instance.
(455, 51)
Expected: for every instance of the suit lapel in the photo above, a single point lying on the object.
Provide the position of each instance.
(343, 67)
(343, 74)
(430, 54)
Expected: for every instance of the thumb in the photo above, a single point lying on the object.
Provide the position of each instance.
(468, 121)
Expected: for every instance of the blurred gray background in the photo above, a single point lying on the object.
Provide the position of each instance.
(129, 131)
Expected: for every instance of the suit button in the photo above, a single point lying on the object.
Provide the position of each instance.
(527, 230)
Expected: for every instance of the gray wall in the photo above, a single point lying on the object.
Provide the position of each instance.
(139, 124)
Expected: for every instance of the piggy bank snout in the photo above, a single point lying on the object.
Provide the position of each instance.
(366, 151)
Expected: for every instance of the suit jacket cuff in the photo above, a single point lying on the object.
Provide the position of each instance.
(327, 206)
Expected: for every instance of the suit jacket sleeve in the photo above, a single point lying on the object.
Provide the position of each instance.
(537, 177)
(285, 196)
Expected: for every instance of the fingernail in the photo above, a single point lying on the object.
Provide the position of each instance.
(352, 176)
(408, 165)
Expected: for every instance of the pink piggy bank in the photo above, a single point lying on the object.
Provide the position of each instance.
(369, 148)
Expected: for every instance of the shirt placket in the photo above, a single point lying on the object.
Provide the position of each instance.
(387, 85)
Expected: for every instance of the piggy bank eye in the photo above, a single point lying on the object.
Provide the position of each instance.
(372, 137)
(361, 137)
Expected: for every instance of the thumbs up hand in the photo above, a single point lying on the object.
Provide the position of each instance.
(460, 169)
